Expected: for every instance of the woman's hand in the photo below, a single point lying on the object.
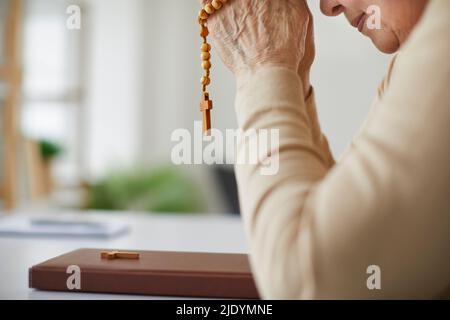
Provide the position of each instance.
(253, 33)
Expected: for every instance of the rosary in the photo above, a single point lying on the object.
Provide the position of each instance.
(206, 104)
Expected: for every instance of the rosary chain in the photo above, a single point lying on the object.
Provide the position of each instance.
(207, 10)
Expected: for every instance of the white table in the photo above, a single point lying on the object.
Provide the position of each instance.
(203, 233)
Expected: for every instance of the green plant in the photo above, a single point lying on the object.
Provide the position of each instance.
(49, 150)
(164, 189)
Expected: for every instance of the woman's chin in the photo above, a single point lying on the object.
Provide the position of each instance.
(387, 49)
(386, 44)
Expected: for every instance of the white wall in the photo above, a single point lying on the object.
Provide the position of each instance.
(113, 82)
(346, 75)
(173, 76)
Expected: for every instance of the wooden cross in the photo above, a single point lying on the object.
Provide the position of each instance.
(206, 106)
(112, 255)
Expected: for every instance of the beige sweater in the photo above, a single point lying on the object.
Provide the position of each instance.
(316, 226)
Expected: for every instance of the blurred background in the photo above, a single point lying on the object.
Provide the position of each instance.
(87, 114)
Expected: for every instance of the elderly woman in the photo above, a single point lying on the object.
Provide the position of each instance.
(376, 224)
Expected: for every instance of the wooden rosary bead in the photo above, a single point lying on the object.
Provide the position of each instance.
(203, 15)
(206, 47)
(205, 81)
(206, 65)
(209, 8)
(206, 55)
(217, 4)
(204, 32)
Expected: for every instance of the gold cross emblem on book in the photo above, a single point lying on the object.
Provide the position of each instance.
(112, 255)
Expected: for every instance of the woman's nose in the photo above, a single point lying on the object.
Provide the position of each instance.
(331, 8)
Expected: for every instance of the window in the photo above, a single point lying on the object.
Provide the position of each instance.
(51, 101)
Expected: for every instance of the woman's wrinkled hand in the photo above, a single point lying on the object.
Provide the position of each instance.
(252, 33)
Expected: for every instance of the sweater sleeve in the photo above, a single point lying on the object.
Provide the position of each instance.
(316, 229)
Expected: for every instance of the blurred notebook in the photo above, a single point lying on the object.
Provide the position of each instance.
(213, 275)
(61, 226)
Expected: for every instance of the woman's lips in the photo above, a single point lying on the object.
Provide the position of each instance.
(359, 22)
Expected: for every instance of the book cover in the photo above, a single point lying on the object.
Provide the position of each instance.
(159, 273)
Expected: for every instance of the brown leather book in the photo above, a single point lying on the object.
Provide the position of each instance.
(213, 275)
